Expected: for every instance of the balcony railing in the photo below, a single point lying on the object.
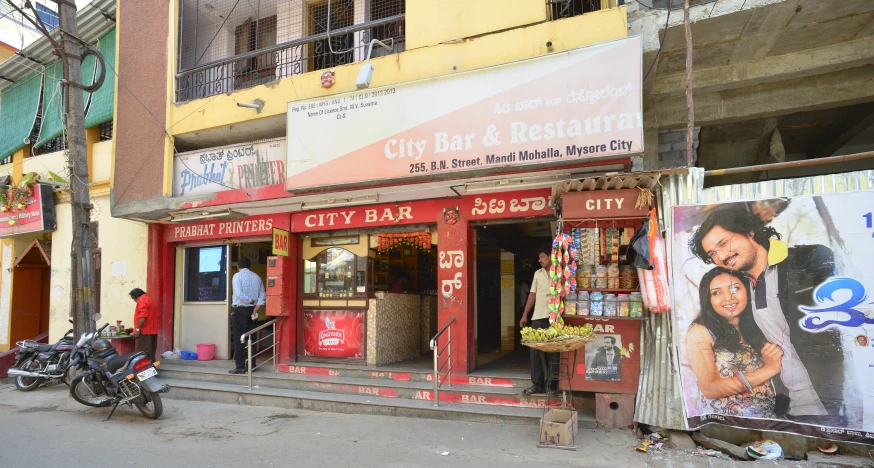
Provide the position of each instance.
(291, 58)
(560, 9)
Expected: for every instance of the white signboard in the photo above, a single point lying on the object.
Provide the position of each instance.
(231, 167)
(557, 109)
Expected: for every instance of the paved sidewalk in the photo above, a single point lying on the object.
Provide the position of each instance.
(195, 434)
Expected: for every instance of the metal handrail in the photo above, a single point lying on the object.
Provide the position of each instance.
(448, 361)
(289, 44)
(247, 339)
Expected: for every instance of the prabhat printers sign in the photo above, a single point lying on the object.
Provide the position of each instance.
(240, 166)
(560, 108)
(35, 213)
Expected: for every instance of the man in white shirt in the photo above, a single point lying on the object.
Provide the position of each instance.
(249, 296)
(538, 299)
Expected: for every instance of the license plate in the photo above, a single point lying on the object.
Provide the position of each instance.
(147, 374)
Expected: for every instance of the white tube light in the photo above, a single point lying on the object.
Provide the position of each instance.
(339, 201)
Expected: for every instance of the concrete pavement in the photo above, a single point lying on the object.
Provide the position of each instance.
(49, 423)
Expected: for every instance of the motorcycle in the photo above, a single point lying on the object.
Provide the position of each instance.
(109, 379)
(36, 363)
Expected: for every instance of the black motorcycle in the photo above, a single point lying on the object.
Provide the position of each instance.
(109, 379)
(37, 363)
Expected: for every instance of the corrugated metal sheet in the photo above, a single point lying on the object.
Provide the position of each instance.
(659, 395)
(834, 183)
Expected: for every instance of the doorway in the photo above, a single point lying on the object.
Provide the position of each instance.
(207, 293)
(506, 260)
(30, 293)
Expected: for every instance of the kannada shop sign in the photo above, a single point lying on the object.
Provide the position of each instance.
(773, 314)
(243, 166)
(333, 333)
(27, 211)
(504, 205)
(560, 108)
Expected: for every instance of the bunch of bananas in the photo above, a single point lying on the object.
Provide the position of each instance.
(556, 330)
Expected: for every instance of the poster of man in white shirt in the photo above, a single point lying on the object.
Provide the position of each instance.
(604, 358)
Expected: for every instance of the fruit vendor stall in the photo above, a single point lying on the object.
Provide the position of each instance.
(602, 288)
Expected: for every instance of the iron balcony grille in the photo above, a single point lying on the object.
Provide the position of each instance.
(226, 45)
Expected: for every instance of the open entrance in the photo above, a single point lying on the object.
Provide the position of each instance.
(30, 292)
(207, 293)
(506, 260)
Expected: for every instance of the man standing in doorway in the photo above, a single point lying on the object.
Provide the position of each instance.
(538, 299)
(249, 296)
(146, 319)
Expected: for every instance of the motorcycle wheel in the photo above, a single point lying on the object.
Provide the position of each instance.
(80, 392)
(150, 405)
(26, 384)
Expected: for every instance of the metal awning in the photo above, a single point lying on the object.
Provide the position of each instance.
(94, 20)
(647, 180)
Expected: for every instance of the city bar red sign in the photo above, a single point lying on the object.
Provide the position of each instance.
(504, 205)
(35, 214)
(602, 204)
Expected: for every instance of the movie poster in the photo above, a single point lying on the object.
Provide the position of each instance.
(774, 314)
(604, 358)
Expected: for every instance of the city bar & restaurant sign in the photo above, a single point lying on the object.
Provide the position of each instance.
(36, 213)
(561, 108)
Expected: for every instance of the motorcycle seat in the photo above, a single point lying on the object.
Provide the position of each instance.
(116, 362)
(42, 348)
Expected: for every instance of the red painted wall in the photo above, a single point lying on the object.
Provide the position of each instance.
(453, 282)
(161, 282)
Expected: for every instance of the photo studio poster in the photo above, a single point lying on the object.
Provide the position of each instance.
(775, 314)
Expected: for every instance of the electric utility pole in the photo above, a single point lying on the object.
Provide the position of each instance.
(67, 47)
(82, 253)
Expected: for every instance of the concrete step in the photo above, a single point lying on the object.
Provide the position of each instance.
(394, 373)
(398, 389)
(355, 403)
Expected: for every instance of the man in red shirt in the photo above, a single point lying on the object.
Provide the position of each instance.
(145, 322)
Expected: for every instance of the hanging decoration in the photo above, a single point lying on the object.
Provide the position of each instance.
(14, 200)
(420, 239)
(562, 275)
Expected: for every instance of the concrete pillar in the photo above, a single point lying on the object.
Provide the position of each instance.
(454, 258)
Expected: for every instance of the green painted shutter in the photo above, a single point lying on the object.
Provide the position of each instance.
(103, 100)
(18, 106)
(52, 124)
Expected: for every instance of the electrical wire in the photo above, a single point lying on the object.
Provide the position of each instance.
(328, 32)
(661, 41)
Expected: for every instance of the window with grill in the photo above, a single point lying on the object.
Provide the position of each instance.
(337, 52)
(559, 9)
(249, 37)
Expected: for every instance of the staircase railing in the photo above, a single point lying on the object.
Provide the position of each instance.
(438, 368)
(246, 339)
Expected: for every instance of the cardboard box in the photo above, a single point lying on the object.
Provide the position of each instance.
(558, 427)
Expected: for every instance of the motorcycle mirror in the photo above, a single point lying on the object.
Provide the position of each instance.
(97, 317)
